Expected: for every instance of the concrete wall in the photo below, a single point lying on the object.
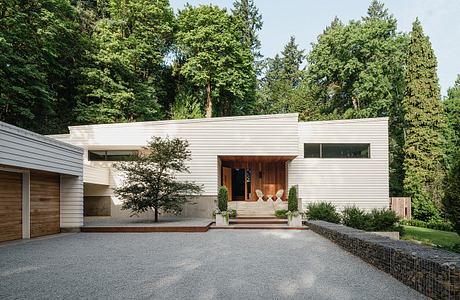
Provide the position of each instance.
(343, 181)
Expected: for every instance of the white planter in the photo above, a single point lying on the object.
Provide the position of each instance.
(295, 221)
(221, 220)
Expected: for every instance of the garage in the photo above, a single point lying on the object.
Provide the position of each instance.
(44, 203)
(41, 185)
(10, 206)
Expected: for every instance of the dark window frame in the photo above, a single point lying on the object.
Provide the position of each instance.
(107, 156)
(321, 152)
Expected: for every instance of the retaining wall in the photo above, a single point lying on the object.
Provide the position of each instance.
(431, 271)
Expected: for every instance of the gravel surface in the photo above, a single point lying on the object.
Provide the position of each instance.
(219, 264)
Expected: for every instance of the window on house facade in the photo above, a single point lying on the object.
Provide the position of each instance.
(111, 155)
(342, 150)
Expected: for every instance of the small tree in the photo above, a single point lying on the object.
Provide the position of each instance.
(293, 203)
(452, 194)
(222, 198)
(150, 179)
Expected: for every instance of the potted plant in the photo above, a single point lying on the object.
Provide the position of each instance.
(221, 212)
(293, 214)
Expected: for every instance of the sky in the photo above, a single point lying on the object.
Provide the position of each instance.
(306, 19)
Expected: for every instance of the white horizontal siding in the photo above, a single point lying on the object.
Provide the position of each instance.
(95, 175)
(71, 201)
(363, 182)
(208, 138)
(25, 149)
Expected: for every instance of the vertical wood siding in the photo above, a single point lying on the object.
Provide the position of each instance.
(343, 181)
(10, 206)
(44, 203)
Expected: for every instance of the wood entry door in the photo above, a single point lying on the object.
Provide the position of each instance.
(227, 180)
(10, 206)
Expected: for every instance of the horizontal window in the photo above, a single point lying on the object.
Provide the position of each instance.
(311, 150)
(111, 155)
(342, 150)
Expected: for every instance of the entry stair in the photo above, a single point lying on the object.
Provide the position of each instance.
(257, 215)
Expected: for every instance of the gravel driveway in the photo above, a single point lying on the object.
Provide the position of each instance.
(219, 264)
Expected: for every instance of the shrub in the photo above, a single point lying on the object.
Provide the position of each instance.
(222, 198)
(232, 213)
(293, 204)
(438, 225)
(281, 213)
(383, 219)
(355, 217)
(452, 195)
(324, 211)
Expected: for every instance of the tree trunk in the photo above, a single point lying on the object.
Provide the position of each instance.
(156, 215)
(209, 100)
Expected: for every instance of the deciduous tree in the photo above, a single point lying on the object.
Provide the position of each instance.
(150, 179)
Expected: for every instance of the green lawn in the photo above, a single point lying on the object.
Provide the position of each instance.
(444, 239)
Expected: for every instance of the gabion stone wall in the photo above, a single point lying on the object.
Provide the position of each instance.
(431, 271)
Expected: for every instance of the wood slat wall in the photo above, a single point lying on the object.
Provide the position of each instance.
(10, 206)
(44, 203)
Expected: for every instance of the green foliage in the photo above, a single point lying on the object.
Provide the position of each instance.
(40, 51)
(213, 58)
(150, 180)
(324, 211)
(452, 195)
(452, 113)
(123, 79)
(222, 198)
(187, 106)
(383, 220)
(293, 202)
(438, 225)
(281, 213)
(423, 128)
(232, 213)
(443, 239)
(357, 218)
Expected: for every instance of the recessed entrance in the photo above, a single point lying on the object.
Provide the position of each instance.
(243, 175)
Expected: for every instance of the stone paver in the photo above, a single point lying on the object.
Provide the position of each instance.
(219, 264)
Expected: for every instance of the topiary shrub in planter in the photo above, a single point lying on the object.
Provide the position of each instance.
(293, 215)
(222, 198)
(324, 211)
(222, 215)
(293, 203)
(353, 216)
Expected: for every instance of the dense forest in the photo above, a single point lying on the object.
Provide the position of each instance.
(100, 61)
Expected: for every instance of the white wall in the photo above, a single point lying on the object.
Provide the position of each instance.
(343, 181)
(26, 149)
(208, 138)
(71, 201)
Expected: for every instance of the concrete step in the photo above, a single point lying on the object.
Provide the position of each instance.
(259, 226)
(258, 221)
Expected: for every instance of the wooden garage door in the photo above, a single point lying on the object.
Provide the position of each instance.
(10, 206)
(44, 203)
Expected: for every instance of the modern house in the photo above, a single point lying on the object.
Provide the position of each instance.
(344, 162)
(41, 185)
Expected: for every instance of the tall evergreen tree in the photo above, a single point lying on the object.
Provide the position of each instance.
(125, 77)
(452, 112)
(281, 84)
(251, 23)
(212, 57)
(423, 127)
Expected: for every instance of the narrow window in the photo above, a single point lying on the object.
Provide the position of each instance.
(311, 150)
(111, 155)
(345, 150)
